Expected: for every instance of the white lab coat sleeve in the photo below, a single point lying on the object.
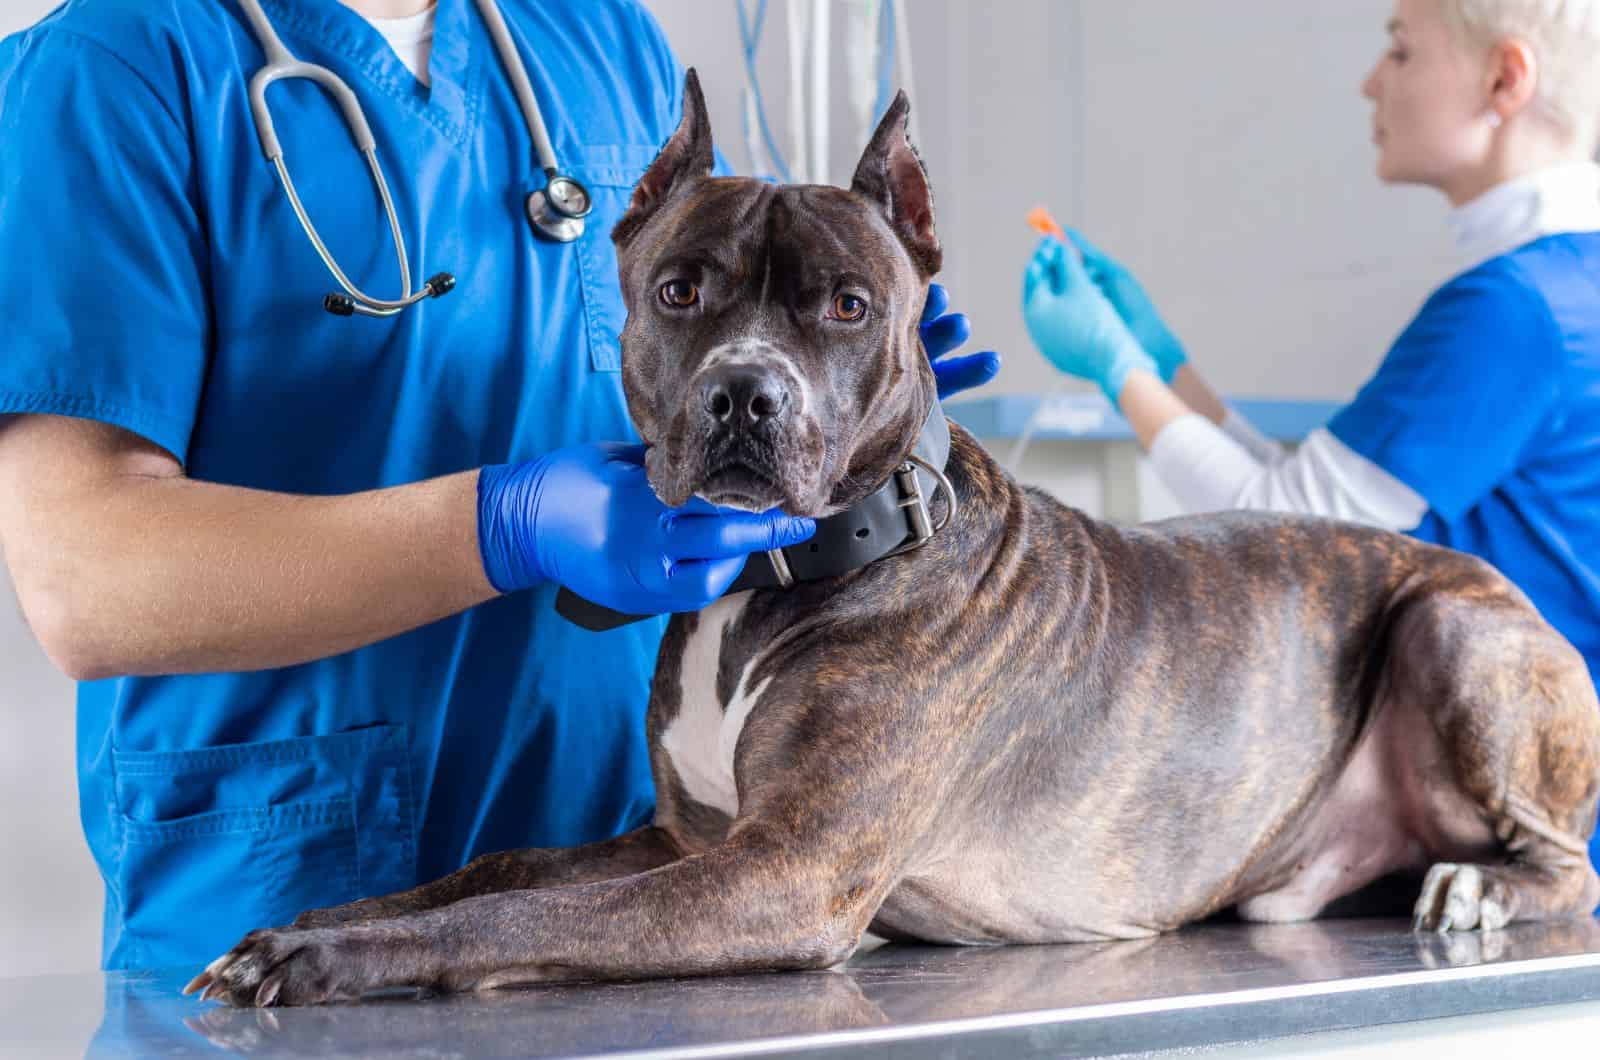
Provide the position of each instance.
(1257, 444)
(1207, 470)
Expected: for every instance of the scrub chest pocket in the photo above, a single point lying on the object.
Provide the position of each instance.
(217, 841)
(610, 172)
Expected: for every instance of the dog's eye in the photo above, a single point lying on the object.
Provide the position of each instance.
(848, 307)
(679, 294)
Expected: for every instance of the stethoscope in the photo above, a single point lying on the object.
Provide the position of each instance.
(556, 211)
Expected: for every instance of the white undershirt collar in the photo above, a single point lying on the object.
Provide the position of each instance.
(1564, 198)
(411, 37)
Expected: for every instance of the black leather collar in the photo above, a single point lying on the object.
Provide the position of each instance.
(892, 519)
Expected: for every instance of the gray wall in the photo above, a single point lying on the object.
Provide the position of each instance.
(49, 891)
(1219, 146)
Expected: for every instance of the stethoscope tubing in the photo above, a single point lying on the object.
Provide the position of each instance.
(281, 64)
(517, 74)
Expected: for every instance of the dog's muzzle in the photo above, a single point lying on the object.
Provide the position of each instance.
(747, 402)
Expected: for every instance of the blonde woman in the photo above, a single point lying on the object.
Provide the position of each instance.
(1481, 428)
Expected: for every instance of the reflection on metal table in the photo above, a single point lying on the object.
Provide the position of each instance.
(1210, 984)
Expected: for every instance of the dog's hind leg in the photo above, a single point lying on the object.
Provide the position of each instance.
(513, 870)
(1515, 730)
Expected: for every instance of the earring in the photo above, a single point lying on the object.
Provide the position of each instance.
(1494, 119)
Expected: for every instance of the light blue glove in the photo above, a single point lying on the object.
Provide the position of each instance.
(1074, 325)
(1133, 306)
(586, 518)
(943, 332)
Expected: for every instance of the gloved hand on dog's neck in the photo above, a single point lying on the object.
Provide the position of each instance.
(585, 517)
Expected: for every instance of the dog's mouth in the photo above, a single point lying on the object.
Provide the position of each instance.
(739, 483)
(782, 470)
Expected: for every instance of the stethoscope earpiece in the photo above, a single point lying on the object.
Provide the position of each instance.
(342, 305)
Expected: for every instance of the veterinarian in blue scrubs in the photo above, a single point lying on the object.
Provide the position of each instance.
(255, 530)
(1481, 428)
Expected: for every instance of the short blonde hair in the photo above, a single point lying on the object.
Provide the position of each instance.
(1565, 38)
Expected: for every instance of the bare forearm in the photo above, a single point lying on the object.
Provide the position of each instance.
(170, 575)
(1194, 392)
(1149, 405)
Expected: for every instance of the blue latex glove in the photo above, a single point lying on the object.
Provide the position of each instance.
(1073, 323)
(943, 332)
(1133, 306)
(585, 518)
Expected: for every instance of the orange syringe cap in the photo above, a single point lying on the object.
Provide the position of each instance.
(1040, 221)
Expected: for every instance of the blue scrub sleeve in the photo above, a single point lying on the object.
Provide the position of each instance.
(103, 301)
(1462, 393)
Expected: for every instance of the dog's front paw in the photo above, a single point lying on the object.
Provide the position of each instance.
(289, 966)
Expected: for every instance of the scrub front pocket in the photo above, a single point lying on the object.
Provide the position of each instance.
(218, 841)
(609, 171)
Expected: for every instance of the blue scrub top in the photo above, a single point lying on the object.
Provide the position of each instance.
(153, 276)
(1489, 407)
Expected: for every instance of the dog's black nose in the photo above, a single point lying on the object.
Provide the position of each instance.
(744, 395)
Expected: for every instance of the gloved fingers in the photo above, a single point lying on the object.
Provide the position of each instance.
(1104, 270)
(945, 334)
(1093, 256)
(1058, 268)
(732, 535)
(694, 583)
(1070, 271)
(698, 505)
(955, 374)
(1039, 267)
(625, 452)
(938, 302)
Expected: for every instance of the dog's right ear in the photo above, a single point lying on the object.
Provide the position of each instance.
(686, 157)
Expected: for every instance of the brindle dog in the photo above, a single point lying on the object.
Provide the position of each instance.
(1038, 727)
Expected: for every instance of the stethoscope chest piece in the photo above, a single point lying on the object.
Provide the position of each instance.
(557, 210)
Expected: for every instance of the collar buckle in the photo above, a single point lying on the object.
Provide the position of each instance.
(915, 503)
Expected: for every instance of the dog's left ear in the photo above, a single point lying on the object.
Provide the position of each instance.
(686, 156)
(890, 175)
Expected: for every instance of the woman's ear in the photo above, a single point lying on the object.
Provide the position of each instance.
(1513, 77)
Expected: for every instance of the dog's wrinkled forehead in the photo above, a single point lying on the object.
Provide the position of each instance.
(781, 243)
(889, 194)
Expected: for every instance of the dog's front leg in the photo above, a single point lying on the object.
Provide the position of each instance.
(512, 870)
(758, 901)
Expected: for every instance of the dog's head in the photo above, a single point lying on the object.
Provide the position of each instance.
(771, 356)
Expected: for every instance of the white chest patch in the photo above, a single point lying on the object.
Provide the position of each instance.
(701, 740)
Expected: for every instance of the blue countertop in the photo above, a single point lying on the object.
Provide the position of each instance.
(1088, 417)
